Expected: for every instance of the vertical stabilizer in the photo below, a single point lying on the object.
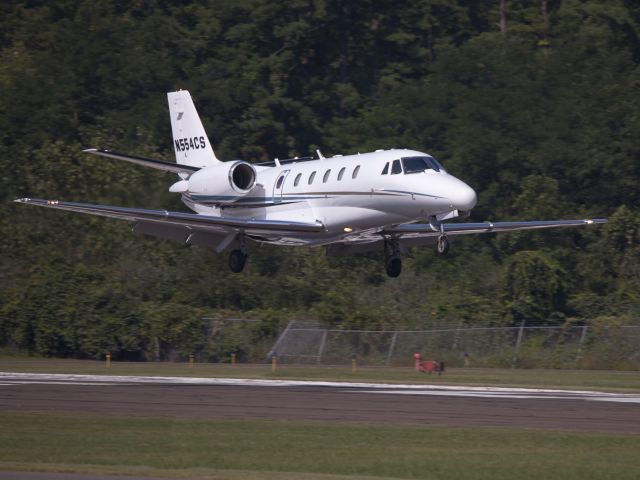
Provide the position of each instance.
(190, 141)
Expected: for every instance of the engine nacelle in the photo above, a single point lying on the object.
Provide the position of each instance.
(224, 183)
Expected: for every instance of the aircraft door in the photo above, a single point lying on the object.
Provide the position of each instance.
(278, 187)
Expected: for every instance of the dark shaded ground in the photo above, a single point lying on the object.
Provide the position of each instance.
(316, 403)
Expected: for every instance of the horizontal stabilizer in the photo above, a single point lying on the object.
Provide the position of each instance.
(146, 162)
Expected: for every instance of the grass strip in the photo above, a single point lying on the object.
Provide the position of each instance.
(187, 473)
(628, 382)
(265, 448)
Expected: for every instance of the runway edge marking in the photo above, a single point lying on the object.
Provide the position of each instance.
(387, 388)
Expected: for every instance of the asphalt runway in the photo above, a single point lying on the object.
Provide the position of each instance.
(322, 401)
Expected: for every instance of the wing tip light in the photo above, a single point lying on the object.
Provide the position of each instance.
(36, 201)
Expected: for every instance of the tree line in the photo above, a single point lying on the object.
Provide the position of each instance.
(533, 103)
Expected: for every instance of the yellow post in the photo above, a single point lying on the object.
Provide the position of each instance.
(466, 359)
(274, 363)
(191, 360)
(108, 360)
(233, 359)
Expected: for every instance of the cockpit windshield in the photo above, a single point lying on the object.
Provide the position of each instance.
(420, 164)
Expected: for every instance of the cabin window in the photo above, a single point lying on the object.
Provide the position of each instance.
(326, 176)
(341, 173)
(396, 167)
(311, 177)
(385, 170)
(297, 180)
(279, 182)
(355, 172)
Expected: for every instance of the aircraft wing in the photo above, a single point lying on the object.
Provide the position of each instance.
(420, 234)
(165, 221)
(425, 229)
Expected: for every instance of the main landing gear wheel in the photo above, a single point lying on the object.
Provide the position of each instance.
(393, 258)
(442, 246)
(237, 259)
(393, 266)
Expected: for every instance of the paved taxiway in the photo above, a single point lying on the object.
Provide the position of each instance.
(322, 401)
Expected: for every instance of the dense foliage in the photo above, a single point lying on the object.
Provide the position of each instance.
(534, 103)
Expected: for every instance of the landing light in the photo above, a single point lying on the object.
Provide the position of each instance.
(348, 229)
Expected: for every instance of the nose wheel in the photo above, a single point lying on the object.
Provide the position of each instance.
(442, 247)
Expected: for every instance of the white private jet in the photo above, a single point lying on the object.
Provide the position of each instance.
(387, 199)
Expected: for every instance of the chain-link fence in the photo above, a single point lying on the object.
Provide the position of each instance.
(612, 347)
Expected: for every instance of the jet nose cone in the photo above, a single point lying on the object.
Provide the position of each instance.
(465, 197)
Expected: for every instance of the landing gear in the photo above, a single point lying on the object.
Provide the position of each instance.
(393, 266)
(442, 247)
(237, 259)
(393, 261)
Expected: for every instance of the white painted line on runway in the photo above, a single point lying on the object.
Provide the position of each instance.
(598, 397)
(394, 389)
(58, 382)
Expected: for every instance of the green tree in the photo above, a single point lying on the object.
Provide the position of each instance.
(535, 287)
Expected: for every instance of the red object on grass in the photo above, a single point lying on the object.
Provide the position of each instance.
(428, 366)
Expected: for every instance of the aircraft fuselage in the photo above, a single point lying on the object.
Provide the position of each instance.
(346, 194)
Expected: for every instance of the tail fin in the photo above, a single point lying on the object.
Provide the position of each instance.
(190, 141)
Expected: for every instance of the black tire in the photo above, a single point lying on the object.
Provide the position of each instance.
(237, 259)
(442, 247)
(393, 266)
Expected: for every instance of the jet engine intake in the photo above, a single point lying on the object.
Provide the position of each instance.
(223, 183)
(242, 176)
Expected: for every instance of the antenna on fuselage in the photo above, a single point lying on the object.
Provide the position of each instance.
(320, 156)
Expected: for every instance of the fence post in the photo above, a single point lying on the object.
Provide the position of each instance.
(391, 348)
(276, 345)
(456, 337)
(583, 336)
(323, 341)
(518, 342)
